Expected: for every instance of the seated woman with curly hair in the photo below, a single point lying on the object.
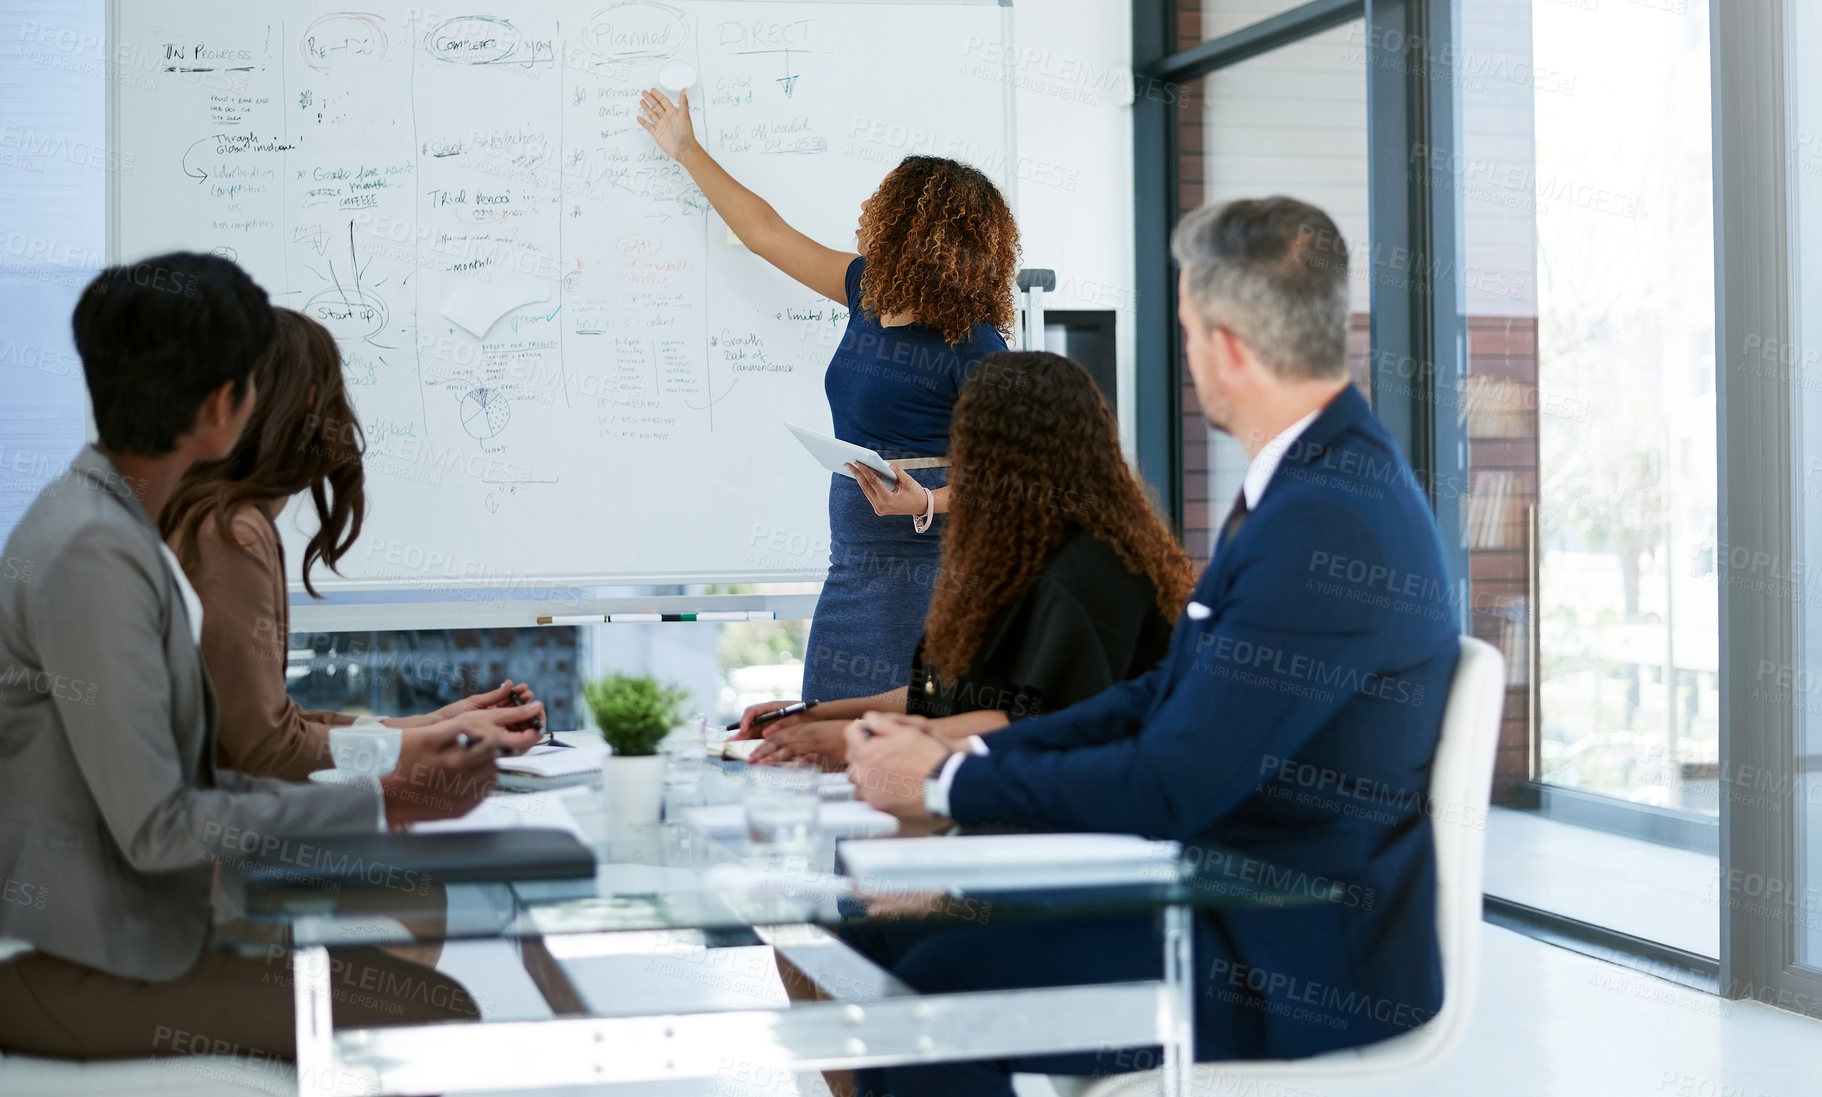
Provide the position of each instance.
(1058, 579)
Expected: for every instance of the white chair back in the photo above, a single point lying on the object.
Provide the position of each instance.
(1461, 785)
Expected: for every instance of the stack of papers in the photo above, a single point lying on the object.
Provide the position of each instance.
(1009, 862)
(843, 819)
(508, 812)
(803, 882)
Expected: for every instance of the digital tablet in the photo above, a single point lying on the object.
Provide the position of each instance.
(833, 453)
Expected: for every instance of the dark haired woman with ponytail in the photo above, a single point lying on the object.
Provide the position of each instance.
(1057, 581)
(301, 437)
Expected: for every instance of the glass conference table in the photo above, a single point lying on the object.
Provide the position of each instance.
(669, 890)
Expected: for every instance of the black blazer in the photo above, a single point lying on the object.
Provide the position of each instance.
(1084, 623)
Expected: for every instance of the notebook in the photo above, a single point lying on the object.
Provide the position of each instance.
(401, 860)
(583, 755)
(509, 812)
(735, 750)
(1009, 862)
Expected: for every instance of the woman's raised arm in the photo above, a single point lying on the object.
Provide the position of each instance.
(752, 218)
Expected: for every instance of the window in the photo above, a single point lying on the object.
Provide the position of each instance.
(406, 673)
(1292, 121)
(1213, 18)
(1548, 370)
(1585, 178)
(725, 666)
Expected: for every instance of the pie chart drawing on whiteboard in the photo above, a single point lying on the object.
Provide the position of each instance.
(485, 412)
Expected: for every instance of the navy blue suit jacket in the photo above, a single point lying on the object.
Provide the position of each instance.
(1291, 726)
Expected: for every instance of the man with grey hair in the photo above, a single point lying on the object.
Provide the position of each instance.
(1286, 737)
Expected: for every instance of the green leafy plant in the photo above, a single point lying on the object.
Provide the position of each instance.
(635, 711)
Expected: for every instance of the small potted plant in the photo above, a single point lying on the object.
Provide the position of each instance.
(634, 712)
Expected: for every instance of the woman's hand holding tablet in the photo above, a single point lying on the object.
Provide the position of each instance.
(839, 456)
(905, 496)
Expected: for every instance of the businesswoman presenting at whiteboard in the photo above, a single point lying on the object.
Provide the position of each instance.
(929, 294)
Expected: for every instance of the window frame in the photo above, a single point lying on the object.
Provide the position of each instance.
(1757, 479)
(1419, 363)
(1418, 333)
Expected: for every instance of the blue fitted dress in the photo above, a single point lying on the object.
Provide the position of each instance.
(892, 390)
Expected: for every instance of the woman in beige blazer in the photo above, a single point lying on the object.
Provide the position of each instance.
(302, 436)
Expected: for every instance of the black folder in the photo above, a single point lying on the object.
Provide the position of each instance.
(408, 860)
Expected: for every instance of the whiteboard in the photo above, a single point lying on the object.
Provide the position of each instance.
(622, 421)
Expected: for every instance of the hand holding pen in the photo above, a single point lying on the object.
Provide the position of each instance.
(770, 713)
(502, 725)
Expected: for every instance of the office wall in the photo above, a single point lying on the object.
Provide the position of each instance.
(53, 176)
(1071, 68)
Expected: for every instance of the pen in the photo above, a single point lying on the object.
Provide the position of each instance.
(464, 741)
(778, 714)
(537, 722)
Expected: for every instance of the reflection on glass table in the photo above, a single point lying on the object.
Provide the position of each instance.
(671, 890)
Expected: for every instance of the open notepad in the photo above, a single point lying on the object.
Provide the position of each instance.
(583, 755)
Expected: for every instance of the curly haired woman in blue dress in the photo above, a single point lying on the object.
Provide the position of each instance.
(929, 291)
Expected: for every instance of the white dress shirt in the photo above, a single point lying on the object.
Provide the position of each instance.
(1265, 462)
(936, 790)
(192, 605)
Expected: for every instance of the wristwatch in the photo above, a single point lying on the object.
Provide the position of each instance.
(936, 796)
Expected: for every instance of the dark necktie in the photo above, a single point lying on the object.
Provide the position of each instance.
(1235, 519)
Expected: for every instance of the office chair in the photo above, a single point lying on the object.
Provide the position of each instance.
(1461, 780)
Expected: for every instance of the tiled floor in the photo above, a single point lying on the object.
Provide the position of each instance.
(1546, 1023)
(1552, 1023)
(1641, 888)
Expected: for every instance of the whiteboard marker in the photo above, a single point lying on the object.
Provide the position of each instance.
(641, 618)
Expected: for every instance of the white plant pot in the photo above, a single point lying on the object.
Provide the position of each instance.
(634, 788)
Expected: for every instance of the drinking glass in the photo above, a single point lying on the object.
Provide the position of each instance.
(781, 803)
(684, 761)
